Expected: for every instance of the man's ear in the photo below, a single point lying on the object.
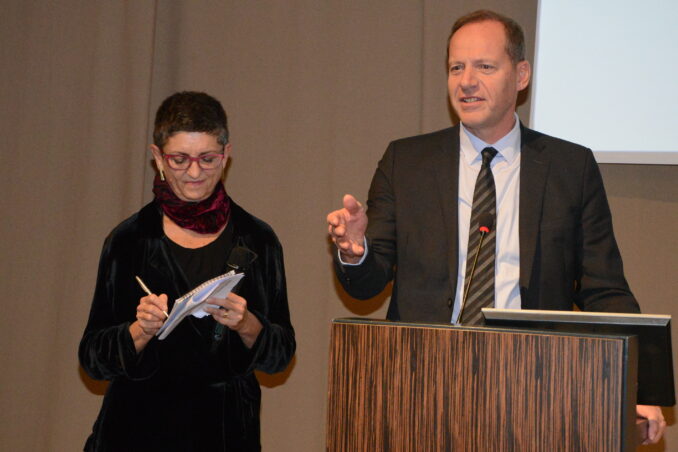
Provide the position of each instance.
(524, 71)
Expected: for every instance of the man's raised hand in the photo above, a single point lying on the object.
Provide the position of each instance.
(347, 228)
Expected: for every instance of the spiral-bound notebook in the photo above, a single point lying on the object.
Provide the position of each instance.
(193, 302)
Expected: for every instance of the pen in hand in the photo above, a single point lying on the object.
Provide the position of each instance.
(148, 292)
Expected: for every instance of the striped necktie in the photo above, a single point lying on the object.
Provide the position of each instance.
(481, 292)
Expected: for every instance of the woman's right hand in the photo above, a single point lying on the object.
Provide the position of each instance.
(150, 317)
(151, 313)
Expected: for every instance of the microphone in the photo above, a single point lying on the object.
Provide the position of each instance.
(485, 224)
(240, 258)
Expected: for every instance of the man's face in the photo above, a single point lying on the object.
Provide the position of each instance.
(482, 81)
(194, 183)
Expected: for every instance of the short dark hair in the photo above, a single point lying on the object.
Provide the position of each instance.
(190, 111)
(515, 38)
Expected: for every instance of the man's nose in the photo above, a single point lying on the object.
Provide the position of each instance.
(468, 79)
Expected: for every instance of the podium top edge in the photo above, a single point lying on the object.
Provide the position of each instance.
(577, 316)
(480, 328)
(370, 321)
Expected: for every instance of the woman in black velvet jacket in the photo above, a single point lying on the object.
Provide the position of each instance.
(194, 390)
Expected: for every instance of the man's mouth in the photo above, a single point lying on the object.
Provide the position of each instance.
(468, 100)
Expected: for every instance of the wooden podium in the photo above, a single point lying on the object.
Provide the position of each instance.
(415, 387)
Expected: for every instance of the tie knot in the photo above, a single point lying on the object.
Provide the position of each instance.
(488, 154)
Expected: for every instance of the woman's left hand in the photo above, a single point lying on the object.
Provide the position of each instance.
(233, 313)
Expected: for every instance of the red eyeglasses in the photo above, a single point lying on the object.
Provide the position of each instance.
(208, 161)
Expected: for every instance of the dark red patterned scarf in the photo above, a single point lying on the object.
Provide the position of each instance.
(204, 217)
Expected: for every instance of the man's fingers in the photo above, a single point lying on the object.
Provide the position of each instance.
(655, 422)
(351, 204)
(337, 223)
(339, 219)
(358, 250)
(334, 218)
(652, 431)
(655, 430)
(347, 227)
(339, 231)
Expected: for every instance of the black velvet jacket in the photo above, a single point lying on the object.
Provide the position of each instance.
(195, 390)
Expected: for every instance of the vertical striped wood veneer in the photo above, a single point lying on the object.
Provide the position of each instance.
(409, 388)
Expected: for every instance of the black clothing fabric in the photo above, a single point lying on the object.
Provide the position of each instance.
(201, 264)
(195, 390)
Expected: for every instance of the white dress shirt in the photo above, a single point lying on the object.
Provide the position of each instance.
(506, 172)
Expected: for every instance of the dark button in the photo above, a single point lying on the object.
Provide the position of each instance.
(450, 302)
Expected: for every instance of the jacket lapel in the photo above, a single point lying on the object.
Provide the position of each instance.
(534, 166)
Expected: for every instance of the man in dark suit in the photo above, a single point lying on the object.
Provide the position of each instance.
(554, 239)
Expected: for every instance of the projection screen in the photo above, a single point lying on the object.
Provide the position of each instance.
(606, 76)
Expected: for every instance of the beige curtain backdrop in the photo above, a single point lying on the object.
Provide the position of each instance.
(314, 91)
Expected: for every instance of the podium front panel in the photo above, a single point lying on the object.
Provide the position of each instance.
(407, 387)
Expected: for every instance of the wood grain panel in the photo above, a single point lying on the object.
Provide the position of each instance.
(408, 388)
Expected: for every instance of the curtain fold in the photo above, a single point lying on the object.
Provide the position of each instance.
(75, 98)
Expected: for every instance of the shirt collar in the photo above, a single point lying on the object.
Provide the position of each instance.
(508, 147)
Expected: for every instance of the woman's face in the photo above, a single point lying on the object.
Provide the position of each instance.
(194, 183)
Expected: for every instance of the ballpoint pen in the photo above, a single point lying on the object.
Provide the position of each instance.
(148, 291)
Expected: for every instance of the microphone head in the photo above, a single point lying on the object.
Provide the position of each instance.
(485, 222)
(240, 258)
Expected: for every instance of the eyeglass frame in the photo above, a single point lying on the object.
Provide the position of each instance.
(168, 157)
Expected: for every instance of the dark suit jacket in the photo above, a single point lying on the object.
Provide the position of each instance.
(568, 253)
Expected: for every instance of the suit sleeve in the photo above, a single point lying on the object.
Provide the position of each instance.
(601, 285)
(371, 277)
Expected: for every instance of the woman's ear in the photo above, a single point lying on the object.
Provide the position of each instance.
(227, 154)
(159, 161)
